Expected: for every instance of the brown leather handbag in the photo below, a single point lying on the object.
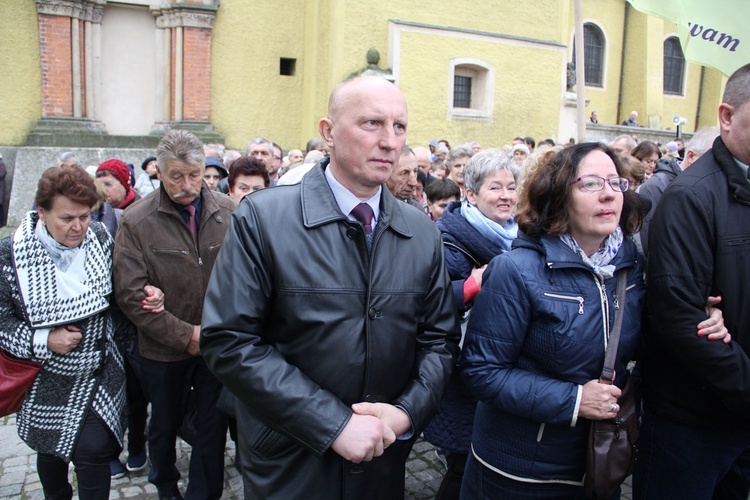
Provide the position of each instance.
(613, 443)
(16, 377)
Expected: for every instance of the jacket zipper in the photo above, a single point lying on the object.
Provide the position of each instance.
(166, 250)
(540, 433)
(578, 298)
(605, 308)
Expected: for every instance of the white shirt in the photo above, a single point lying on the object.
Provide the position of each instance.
(347, 200)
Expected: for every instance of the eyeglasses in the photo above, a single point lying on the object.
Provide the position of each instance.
(595, 183)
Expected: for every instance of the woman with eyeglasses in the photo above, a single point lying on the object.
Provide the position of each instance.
(536, 339)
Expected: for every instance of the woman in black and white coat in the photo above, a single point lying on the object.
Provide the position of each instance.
(55, 289)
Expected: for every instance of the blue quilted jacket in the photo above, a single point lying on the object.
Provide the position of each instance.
(535, 336)
(465, 248)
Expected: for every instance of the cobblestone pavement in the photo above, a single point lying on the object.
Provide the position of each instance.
(19, 480)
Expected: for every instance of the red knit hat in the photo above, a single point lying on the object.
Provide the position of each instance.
(118, 169)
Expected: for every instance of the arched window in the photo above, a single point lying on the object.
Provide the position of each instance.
(674, 66)
(593, 55)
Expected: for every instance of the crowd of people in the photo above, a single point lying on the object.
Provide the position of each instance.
(379, 292)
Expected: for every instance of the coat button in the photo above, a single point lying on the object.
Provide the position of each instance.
(374, 313)
(351, 233)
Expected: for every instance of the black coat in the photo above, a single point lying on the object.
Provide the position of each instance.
(700, 246)
(300, 321)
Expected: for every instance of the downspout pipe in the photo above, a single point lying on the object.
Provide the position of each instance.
(622, 63)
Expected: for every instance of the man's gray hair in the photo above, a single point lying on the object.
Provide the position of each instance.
(68, 157)
(406, 150)
(703, 140)
(485, 164)
(182, 146)
(737, 89)
(458, 152)
(629, 138)
(260, 140)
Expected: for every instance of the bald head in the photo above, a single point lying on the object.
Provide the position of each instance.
(424, 159)
(355, 86)
(365, 130)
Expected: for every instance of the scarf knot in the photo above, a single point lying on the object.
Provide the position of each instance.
(503, 234)
(599, 261)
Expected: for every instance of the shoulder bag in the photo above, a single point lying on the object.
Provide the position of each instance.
(16, 377)
(613, 443)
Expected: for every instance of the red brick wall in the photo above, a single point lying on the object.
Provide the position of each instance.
(57, 75)
(196, 74)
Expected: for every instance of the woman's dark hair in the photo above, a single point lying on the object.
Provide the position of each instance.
(546, 195)
(645, 149)
(248, 165)
(442, 189)
(71, 182)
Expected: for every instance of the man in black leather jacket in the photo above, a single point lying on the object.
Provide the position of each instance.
(695, 438)
(336, 336)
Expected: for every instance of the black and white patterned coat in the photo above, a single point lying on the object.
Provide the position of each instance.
(89, 377)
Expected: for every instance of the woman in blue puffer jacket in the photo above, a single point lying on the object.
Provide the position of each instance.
(537, 335)
(474, 231)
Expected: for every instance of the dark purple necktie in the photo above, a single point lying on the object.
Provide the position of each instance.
(192, 223)
(363, 213)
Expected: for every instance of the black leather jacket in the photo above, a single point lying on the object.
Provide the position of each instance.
(300, 321)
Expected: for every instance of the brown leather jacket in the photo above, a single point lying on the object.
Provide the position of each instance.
(154, 246)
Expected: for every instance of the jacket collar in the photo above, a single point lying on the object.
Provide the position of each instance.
(209, 206)
(738, 183)
(558, 255)
(319, 205)
(668, 165)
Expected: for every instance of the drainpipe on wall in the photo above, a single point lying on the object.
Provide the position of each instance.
(622, 62)
(700, 98)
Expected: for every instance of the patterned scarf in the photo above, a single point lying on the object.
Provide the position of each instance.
(599, 262)
(61, 255)
(502, 234)
(55, 297)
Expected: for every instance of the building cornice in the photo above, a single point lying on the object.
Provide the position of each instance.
(86, 10)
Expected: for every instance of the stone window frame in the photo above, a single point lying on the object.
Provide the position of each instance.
(482, 76)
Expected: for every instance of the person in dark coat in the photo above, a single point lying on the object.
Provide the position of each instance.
(474, 231)
(329, 315)
(697, 396)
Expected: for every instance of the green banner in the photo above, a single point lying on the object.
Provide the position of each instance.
(714, 33)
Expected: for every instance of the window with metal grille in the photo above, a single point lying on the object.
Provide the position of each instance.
(461, 91)
(593, 55)
(674, 66)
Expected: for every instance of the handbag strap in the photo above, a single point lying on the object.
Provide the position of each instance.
(608, 371)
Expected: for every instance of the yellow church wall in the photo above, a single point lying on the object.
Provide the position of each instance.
(526, 97)
(608, 16)
(330, 38)
(713, 90)
(20, 91)
(249, 96)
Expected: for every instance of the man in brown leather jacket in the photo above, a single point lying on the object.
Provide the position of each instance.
(155, 244)
(336, 332)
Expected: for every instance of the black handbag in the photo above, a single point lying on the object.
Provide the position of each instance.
(612, 446)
